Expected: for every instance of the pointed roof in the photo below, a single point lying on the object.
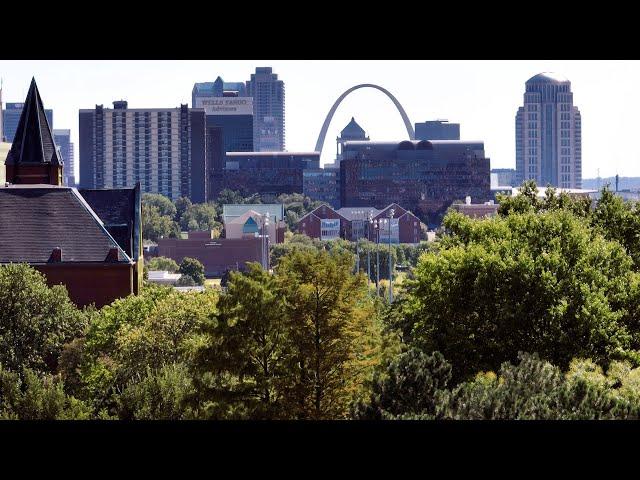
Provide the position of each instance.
(33, 142)
(352, 130)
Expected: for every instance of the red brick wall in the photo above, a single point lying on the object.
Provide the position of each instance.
(216, 255)
(311, 224)
(100, 284)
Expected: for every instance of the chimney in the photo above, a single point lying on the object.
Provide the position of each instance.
(56, 255)
(112, 256)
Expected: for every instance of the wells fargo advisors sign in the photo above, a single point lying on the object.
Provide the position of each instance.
(226, 105)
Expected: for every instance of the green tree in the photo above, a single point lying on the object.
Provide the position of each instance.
(29, 396)
(332, 331)
(156, 226)
(163, 263)
(161, 395)
(35, 320)
(620, 221)
(536, 390)
(202, 216)
(186, 281)
(246, 358)
(408, 386)
(164, 205)
(193, 268)
(542, 282)
(182, 204)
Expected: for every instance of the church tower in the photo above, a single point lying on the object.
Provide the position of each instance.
(33, 158)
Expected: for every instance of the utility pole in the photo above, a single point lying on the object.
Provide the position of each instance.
(391, 212)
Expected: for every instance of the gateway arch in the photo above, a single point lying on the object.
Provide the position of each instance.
(327, 121)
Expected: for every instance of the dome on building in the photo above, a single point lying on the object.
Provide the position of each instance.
(548, 77)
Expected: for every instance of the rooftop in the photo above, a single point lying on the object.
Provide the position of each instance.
(548, 77)
(36, 219)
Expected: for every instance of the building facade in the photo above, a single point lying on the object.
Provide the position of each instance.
(437, 130)
(268, 110)
(162, 148)
(425, 177)
(248, 221)
(322, 184)
(11, 117)
(62, 137)
(326, 223)
(270, 173)
(549, 134)
(216, 255)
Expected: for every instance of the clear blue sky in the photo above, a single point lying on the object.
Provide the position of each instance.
(483, 96)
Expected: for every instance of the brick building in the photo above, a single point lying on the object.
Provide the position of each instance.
(92, 245)
(424, 176)
(325, 223)
(217, 255)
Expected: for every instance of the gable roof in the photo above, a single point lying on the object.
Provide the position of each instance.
(33, 142)
(315, 212)
(119, 211)
(36, 219)
(358, 213)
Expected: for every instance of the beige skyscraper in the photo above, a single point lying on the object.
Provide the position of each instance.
(549, 134)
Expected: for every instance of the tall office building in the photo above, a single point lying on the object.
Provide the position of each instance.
(162, 148)
(437, 130)
(549, 134)
(268, 110)
(11, 117)
(216, 89)
(229, 126)
(62, 137)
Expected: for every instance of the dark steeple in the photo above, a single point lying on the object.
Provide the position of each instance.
(33, 157)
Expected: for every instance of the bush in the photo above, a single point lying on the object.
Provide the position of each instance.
(193, 268)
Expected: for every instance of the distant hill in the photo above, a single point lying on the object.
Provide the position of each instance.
(625, 183)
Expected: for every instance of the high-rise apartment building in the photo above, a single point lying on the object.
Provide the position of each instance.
(162, 148)
(11, 117)
(549, 134)
(62, 137)
(268, 110)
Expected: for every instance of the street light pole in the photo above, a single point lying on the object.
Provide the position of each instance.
(369, 251)
(391, 212)
(376, 225)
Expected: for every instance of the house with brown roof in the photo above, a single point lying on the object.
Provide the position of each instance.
(89, 241)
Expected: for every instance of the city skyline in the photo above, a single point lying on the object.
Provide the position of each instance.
(481, 96)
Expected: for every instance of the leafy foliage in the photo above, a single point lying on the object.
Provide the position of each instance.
(194, 269)
(163, 263)
(528, 281)
(35, 320)
(30, 396)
